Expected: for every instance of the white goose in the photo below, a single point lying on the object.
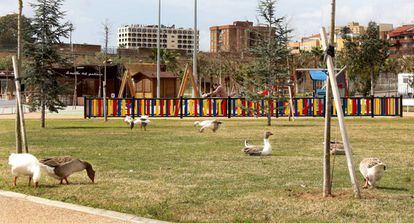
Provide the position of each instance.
(262, 150)
(372, 169)
(143, 121)
(129, 121)
(212, 124)
(25, 165)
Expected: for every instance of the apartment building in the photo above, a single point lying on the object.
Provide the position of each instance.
(385, 29)
(145, 36)
(236, 38)
(356, 28)
(307, 43)
(294, 47)
(402, 41)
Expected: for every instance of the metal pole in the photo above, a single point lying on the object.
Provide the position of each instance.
(105, 63)
(195, 48)
(159, 51)
(75, 95)
(340, 112)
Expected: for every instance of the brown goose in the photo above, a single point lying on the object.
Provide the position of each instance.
(61, 167)
(262, 150)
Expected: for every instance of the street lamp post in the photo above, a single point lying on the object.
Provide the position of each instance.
(195, 48)
(105, 71)
(159, 51)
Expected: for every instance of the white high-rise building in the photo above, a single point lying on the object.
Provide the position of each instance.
(145, 36)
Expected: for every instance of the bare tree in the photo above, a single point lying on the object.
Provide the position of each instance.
(106, 28)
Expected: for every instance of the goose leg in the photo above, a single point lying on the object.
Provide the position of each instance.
(36, 184)
(66, 180)
(14, 180)
(30, 181)
(366, 184)
(61, 181)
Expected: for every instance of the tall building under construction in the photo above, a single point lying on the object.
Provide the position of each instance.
(235, 38)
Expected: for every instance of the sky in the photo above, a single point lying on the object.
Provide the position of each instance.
(305, 17)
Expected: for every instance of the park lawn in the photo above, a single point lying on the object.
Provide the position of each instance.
(171, 172)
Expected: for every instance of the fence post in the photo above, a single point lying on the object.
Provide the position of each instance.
(277, 108)
(181, 107)
(372, 107)
(401, 106)
(133, 107)
(84, 107)
(229, 107)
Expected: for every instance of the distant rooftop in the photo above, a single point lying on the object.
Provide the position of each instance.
(402, 30)
(152, 26)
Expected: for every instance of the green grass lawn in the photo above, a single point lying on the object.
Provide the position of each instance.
(171, 172)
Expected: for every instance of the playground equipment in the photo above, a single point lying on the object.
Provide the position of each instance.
(188, 74)
(141, 81)
(319, 77)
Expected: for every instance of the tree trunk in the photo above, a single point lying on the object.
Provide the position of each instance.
(43, 115)
(19, 148)
(372, 82)
(327, 178)
(211, 83)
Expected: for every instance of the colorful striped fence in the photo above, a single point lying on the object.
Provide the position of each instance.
(239, 107)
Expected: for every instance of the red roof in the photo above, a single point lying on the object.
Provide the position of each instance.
(316, 36)
(403, 30)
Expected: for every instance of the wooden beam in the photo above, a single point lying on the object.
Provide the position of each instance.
(292, 109)
(123, 84)
(188, 74)
(20, 104)
(340, 114)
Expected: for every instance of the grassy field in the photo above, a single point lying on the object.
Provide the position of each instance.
(172, 172)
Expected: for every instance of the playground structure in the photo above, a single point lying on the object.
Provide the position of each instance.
(141, 81)
(313, 80)
(239, 107)
(188, 76)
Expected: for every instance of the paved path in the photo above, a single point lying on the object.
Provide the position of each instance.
(20, 208)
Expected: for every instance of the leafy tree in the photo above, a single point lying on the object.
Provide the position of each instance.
(8, 31)
(43, 56)
(168, 58)
(6, 63)
(407, 64)
(317, 56)
(366, 56)
(208, 68)
(268, 70)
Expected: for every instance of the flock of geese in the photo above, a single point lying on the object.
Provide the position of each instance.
(372, 169)
(58, 167)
